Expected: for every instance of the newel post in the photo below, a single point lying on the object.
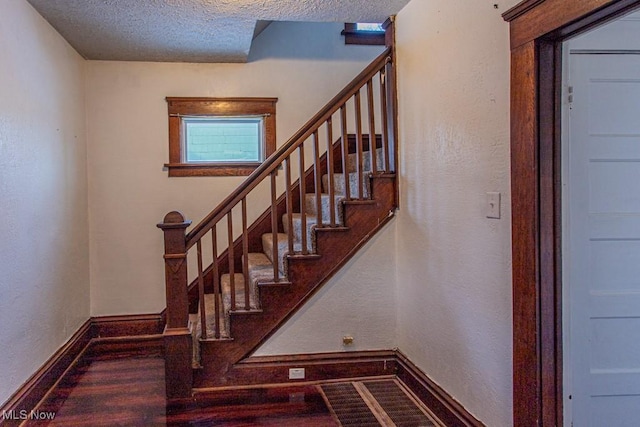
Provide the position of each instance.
(177, 335)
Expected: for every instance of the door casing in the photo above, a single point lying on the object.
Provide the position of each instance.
(537, 29)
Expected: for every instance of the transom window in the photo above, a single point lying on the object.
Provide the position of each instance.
(362, 26)
(219, 136)
(364, 33)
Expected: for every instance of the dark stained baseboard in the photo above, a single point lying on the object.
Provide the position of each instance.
(265, 370)
(35, 388)
(445, 407)
(128, 325)
(140, 345)
(109, 336)
(117, 336)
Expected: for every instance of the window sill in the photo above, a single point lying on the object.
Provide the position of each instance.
(364, 37)
(210, 169)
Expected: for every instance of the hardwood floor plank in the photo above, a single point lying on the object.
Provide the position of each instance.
(130, 391)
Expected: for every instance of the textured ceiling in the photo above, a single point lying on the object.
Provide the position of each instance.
(189, 30)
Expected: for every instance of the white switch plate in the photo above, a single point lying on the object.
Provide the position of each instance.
(493, 205)
(296, 373)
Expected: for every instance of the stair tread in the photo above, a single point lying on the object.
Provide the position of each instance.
(260, 268)
(283, 249)
(366, 164)
(225, 282)
(325, 206)
(209, 304)
(339, 183)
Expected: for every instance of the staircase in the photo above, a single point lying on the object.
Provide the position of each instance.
(325, 196)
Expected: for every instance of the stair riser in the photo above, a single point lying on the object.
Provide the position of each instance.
(311, 207)
(311, 223)
(283, 250)
(339, 185)
(366, 161)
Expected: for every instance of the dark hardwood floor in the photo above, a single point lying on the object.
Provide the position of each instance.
(129, 391)
(104, 388)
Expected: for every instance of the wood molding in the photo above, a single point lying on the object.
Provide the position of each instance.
(181, 107)
(520, 9)
(105, 336)
(128, 325)
(39, 384)
(538, 29)
(445, 407)
(319, 367)
(127, 335)
(135, 345)
(550, 16)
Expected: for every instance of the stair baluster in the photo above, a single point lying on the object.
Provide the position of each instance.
(344, 141)
(385, 126)
(203, 314)
(359, 146)
(373, 146)
(318, 179)
(232, 261)
(289, 196)
(217, 292)
(245, 255)
(303, 207)
(274, 228)
(330, 171)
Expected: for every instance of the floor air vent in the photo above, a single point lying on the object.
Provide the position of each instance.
(376, 403)
(402, 410)
(348, 406)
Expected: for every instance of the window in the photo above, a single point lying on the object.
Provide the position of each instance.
(360, 26)
(220, 136)
(364, 33)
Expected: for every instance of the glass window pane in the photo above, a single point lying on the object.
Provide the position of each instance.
(360, 26)
(224, 140)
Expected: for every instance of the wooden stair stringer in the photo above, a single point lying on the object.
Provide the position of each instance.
(250, 330)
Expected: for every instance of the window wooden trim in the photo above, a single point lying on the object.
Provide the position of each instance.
(216, 107)
(354, 36)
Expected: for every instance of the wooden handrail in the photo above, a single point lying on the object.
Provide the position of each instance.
(273, 161)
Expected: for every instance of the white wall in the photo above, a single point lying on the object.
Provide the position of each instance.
(304, 65)
(44, 249)
(359, 301)
(453, 264)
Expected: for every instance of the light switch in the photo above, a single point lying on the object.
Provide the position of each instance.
(493, 205)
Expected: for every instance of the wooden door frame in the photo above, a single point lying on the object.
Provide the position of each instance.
(537, 29)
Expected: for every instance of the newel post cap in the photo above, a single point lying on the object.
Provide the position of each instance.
(174, 219)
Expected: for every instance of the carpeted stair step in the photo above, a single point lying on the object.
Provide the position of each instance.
(296, 220)
(209, 305)
(366, 164)
(225, 283)
(260, 268)
(283, 250)
(312, 207)
(339, 184)
(195, 339)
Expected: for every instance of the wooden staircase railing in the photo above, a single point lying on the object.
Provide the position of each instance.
(374, 126)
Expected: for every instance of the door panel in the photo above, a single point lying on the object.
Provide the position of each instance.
(602, 266)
